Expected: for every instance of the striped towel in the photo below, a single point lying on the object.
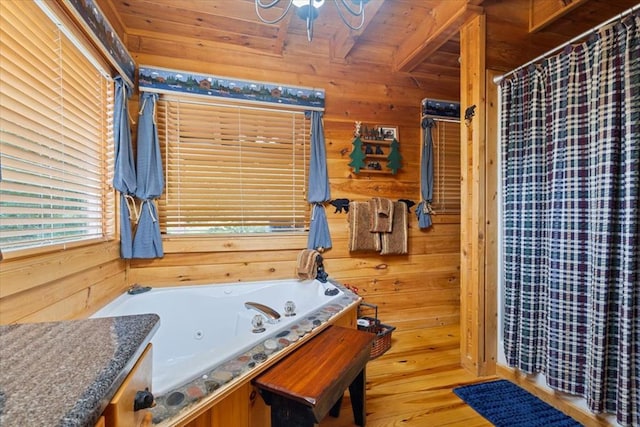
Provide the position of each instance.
(307, 264)
(396, 242)
(381, 219)
(360, 238)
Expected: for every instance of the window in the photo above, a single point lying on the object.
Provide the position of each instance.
(55, 134)
(232, 168)
(446, 167)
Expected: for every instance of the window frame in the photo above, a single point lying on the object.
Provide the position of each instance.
(51, 20)
(300, 208)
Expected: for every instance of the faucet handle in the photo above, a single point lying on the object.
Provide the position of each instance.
(289, 308)
(258, 324)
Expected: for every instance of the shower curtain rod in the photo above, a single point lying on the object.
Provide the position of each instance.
(618, 17)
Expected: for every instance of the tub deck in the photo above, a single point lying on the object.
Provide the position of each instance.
(208, 384)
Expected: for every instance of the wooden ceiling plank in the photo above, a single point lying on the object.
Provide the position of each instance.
(448, 17)
(188, 22)
(345, 38)
(137, 40)
(235, 10)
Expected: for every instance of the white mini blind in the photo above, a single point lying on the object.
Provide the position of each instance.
(232, 168)
(446, 167)
(56, 142)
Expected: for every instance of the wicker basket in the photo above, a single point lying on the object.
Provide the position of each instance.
(382, 342)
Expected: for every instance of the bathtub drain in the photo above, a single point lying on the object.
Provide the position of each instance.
(198, 335)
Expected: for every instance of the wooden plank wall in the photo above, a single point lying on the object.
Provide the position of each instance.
(414, 290)
(60, 285)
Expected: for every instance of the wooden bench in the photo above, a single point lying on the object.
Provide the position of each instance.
(310, 382)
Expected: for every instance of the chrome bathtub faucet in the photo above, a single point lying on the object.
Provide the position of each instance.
(269, 313)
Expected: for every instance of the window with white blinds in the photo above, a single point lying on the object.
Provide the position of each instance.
(446, 167)
(232, 168)
(55, 135)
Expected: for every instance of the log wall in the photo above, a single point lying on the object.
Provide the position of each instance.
(60, 285)
(413, 291)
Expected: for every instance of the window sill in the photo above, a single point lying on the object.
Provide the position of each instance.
(52, 249)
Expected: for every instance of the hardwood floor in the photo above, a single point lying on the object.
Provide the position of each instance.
(411, 384)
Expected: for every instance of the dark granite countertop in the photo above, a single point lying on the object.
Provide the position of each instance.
(65, 373)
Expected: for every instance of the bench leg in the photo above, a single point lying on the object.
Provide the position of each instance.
(335, 409)
(357, 391)
(288, 413)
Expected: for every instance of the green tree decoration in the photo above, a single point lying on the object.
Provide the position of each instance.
(394, 159)
(357, 155)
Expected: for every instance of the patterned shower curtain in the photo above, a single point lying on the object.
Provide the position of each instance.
(571, 220)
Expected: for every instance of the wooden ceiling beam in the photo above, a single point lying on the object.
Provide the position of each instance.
(343, 41)
(447, 18)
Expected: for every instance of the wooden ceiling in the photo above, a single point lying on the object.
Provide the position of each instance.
(418, 37)
(408, 35)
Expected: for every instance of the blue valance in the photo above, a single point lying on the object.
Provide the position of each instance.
(166, 81)
(440, 108)
(101, 31)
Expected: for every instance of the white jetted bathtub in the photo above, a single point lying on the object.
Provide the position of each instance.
(202, 326)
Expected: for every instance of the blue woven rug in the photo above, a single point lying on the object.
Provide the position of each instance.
(506, 405)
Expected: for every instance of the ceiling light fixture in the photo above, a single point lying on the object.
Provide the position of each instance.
(309, 10)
